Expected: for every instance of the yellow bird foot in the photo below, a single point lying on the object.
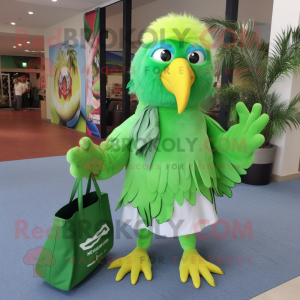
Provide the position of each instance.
(195, 265)
(135, 262)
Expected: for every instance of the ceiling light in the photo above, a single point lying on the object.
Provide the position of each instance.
(28, 42)
(30, 12)
(20, 44)
(13, 23)
(27, 51)
(54, 0)
(14, 47)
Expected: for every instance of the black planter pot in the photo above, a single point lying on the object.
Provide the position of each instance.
(261, 170)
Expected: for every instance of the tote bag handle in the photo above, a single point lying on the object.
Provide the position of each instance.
(78, 185)
(75, 188)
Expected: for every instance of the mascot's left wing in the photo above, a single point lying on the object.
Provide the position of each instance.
(229, 165)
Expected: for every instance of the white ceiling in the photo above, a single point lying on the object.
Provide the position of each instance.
(78, 5)
(7, 41)
(47, 13)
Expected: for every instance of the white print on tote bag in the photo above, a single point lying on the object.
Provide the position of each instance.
(95, 239)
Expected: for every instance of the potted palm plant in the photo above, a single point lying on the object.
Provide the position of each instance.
(257, 69)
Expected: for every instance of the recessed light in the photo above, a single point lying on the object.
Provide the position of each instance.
(28, 42)
(27, 51)
(20, 44)
(30, 12)
(13, 23)
(14, 47)
(54, 0)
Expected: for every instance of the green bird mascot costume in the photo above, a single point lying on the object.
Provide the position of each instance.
(176, 157)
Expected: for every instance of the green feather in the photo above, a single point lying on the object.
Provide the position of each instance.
(225, 167)
(163, 178)
(186, 195)
(185, 171)
(204, 172)
(168, 196)
(225, 189)
(240, 170)
(192, 198)
(129, 84)
(165, 213)
(171, 183)
(225, 180)
(155, 206)
(185, 183)
(179, 197)
(153, 178)
(174, 173)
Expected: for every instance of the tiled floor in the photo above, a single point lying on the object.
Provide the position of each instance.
(286, 291)
(23, 135)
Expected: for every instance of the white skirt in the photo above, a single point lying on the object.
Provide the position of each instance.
(186, 219)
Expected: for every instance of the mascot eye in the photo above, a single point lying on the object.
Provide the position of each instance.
(162, 55)
(196, 57)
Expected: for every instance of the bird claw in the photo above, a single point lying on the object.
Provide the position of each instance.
(135, 262)
(195, 265)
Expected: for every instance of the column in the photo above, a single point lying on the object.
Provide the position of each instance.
(127, 11)
(286, 167)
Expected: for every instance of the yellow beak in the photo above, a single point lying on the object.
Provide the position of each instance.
(178, 79)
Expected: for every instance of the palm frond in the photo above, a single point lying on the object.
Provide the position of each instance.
(245, 53)
(259, 71)
(284, 57)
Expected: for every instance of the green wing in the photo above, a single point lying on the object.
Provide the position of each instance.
(116, 149)
(229, 166)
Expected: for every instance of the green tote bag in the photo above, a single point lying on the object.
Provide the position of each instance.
(82, 234)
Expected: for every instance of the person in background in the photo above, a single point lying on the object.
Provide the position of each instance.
(24, 94)
(29, 96)
(18, 90)
(14, 102)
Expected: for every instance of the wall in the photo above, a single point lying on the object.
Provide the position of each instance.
(265, 31)
(286, 13)
(142, 16)
(259, 10)
(10, 61)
